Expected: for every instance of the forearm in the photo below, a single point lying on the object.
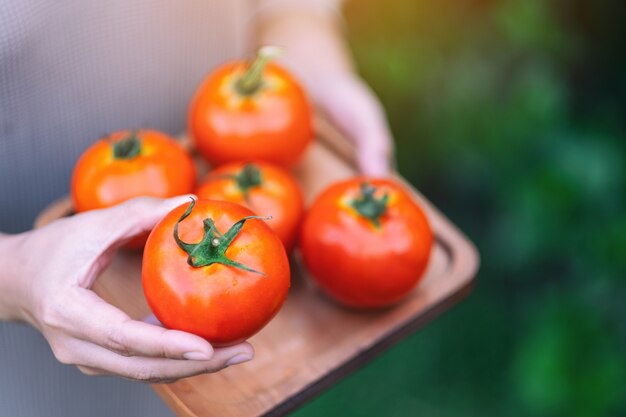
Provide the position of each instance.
(301, 33)
(11, 296)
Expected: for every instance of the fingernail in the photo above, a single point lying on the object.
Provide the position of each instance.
(178, 200)
(196, 356)
(240, 358)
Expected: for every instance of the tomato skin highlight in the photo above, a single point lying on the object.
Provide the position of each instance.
(162, 169)
(273, 124)
(277, 195)
(223, 304)
(357, 263)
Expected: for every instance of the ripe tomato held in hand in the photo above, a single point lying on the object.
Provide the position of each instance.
(256, 111)
(266, 189)
(213, 269)
(129, 164)
(366, 242)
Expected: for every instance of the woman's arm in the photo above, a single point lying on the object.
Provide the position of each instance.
(317, 53)
(10, 294)
(313, 41)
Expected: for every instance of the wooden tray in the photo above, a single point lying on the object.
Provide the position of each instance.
(312, 342)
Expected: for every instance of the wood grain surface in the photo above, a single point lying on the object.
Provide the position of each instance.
(312, 342)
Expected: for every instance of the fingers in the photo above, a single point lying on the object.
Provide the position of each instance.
(374, 155)
(94, 320)
(373, 161)
(95, 360)
(106, 341)
(373, 145)
(356, 111)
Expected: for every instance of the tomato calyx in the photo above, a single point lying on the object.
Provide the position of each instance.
(247, 178)
(212, 248)
(252, 79)
(127, 148)
(368, 205)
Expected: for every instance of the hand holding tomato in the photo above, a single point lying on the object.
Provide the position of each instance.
(266, 189)
(366, 242)
(214, 269)
(51, 271)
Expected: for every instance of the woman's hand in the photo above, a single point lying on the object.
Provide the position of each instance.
(47, 283)
(354, 109)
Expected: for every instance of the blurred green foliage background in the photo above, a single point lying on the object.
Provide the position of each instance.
(509, 115)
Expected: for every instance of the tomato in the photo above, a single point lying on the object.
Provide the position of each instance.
(130, 164)
(266, 189)
(213, 269)
(252, 111)
(366, 242)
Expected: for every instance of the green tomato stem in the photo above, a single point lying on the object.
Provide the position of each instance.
(127, 148)
(252, 80)
(368, 205)
(248, 178)
(212, 248)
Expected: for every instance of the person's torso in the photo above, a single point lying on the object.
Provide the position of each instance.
(73, 71)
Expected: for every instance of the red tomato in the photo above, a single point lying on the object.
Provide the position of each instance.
(366, 242)
(255, 111)
(266, 189)
(212, 270)
(130, 164)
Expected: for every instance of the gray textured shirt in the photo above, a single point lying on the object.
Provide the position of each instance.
(71, 71)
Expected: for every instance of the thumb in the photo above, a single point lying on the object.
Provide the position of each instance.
(112, 226)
